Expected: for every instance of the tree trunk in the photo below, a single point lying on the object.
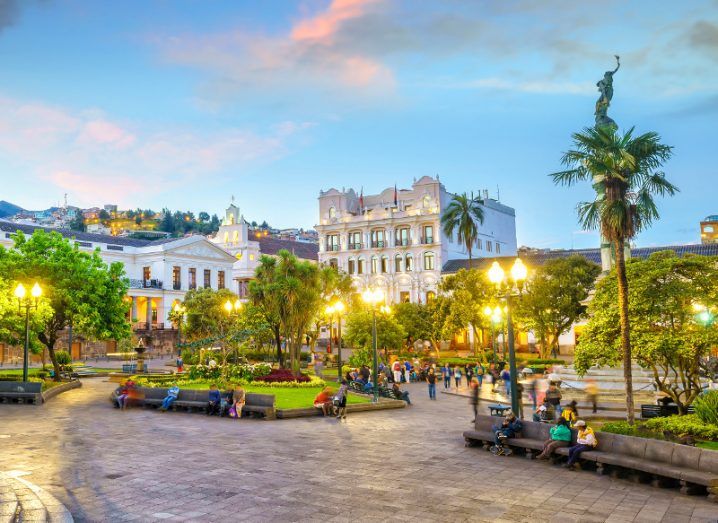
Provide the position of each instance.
(278, 341)
(625, 326)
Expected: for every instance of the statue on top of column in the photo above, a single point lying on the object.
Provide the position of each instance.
(605, 87)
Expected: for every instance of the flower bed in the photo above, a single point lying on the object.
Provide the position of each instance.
(245, 372)
(283, 375)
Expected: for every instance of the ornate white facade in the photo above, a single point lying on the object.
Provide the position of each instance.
(393, 240)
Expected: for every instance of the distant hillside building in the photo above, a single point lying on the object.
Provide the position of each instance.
(709, 229)
(393, 240)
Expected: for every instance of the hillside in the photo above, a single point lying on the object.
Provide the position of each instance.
(8, 209)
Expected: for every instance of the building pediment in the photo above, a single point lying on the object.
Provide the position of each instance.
(202, 249)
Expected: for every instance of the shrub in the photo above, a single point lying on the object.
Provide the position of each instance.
(282, 376)
(190, 357)
(706, 407)
(544, 361)
(620, 427)
(63, 357)
(689, 424)
(246, 372)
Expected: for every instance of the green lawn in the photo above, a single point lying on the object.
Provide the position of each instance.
(286, 397)
(34, 371)
(712, 445)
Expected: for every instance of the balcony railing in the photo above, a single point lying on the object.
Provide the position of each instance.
(143, 326)
(145, 284)
(377, 244)
(355, 246)
(177, 286)
(333, 248)
(402, 242)
(427, 241)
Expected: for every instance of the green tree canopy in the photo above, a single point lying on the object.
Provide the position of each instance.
(554, 299)
(390, 334)
(78, 287)
(423, 321)
(205, 314)
(466, 293)
(667, 333)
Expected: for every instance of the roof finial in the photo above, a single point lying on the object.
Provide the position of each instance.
(233, 199)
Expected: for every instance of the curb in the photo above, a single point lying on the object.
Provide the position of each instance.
(312, 412)
(51, 393)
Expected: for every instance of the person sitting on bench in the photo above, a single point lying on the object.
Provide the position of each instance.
(171, 397)
(508, 429)
(585, 440)
(215, 400)
(238, 398)
(323, 401)
(401, 394)
(124, 394)
(560, 437)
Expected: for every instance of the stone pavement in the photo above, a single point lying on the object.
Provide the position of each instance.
(407, 464)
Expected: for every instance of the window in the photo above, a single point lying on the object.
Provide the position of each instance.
(427, 234)
(430, 296)
(404, 297)
(332, 242)
(334, 263)
(409, 264)
(235, 237)
(377, 239)
(488, 245)
(355, 240)
(176, 278)
(83, 244)
(478, 244)
(384, 265)
(226, 237)
(428, 261)
(146, 273)
(220, 280)
(374, 264)
(251, 257)
(332, 213)
(402, 237)
(115, 248)
(350, 266)
(498, 248)
(361, 269)
(207, 278)
(397, 263)
(193, 278)
(426, 201)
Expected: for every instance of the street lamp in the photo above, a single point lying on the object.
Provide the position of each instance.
(494, 316)
(506, 290)
(23, 300)
(180, 311)
(231, 308)
(373, 297)
(336, 308)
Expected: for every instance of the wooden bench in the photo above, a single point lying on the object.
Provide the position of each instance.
(661, 411)
(663, 462)
(190, 400)
(21, 392)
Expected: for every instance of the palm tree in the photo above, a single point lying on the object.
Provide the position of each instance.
(624, 172)
(462, 215)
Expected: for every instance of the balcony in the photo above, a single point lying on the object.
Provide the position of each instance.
(402, 242)
(333, 248)
(355, 246)
(143, 326)
(145, 284)
(427, 241)
(177, 286)
(377, 245)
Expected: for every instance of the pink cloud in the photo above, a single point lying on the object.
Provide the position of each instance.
(96, 187)
(325, 24)
(107, 133)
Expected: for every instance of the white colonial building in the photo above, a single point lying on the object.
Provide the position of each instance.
(393, 240)
(160, 272)
(246, 246)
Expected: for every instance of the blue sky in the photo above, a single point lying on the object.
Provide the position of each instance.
(185, 103)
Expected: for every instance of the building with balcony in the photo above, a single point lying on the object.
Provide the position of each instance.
(709, 229)
(246, 246)
(160, 272)
(393, 240)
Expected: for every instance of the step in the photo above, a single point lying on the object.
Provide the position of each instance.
(8, 502)
(32, 503)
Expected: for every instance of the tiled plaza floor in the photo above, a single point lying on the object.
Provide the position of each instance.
(408, 464)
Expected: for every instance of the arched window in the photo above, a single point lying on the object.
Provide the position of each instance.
(377, 239)
(398, 263)
(332, 212)
(351, 266)
(334, 263)
(361, 266)
(409, 263)
(355, 240)
(374, 264)
(235, 237)
(384, 265)
(426, 201)
(226, 237)
(428, 261)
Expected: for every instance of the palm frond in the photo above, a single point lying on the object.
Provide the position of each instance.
(589, 215)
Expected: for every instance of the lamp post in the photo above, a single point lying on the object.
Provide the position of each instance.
(373, 297)
(23, 300)
(494, 316)
(336, 308)
(507, 290)
(180, 311)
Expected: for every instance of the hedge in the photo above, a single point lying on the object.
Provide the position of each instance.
(653, 428)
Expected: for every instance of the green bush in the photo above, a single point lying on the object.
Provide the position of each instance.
(706, 407)
(620, 427)
(190, 357)
(688, 424)
(63, 357)
(544, 361)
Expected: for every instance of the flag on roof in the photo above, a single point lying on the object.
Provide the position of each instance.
(361, 201)
(396, 196)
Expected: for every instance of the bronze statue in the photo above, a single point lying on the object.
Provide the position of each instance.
(605, 87)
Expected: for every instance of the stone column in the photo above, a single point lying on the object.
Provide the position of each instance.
(148, 314)
(134, 309)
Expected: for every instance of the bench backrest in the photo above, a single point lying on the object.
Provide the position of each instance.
(686, 457)
(33, 387)
(153, 393)
(259, 400)
(708, 461)
(193, 395)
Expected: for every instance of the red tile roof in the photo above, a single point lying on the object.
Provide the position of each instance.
(303, 250)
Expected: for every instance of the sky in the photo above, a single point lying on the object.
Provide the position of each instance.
(184, 103)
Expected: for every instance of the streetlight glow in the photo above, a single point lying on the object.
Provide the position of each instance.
(488, 311)
(228, 306)
(20, 291)
(237, 304)
(36, 291)
(339, 307)
(519, 271)
(496, 273)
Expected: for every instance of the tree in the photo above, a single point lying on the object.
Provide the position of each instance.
(466, 293)
(167, 224)
(462, 216)
(203, 217)
(264, 294)
(12, 318)
(624, 171)
(77, 223)
(79, 288)
(669, 331)
(423, 322)
(104, 215)
(554, 299)
(389, 332)
(205, 314)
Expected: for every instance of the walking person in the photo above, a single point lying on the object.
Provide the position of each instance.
(457, 376)
(553, 397)
(592, 393)
(431, 380)
(479, 371)
(396, 367)
(474, 397)
(340, 401)
(506, 377)
(446, 373)
(469, 371)
(585, 440)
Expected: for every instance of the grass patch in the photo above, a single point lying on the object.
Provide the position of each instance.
(711, 445)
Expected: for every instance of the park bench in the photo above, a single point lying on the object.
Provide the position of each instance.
(660, 411)
(190, 400)
(21, 392)
(498, 410)
(663, 462)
